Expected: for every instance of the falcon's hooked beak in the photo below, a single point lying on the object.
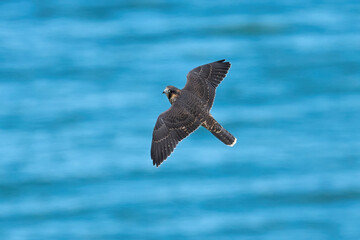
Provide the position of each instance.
(166, 91)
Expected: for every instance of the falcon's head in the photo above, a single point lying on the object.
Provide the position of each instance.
(172, 93)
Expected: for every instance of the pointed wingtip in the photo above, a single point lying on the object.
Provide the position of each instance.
(155, 163)
(223, 61)
(233, 143)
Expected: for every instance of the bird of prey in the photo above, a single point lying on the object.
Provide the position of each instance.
(190, 109)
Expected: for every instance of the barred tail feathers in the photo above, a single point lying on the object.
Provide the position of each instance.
(224, 136)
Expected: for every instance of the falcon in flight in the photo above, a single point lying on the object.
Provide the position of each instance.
(190, 109)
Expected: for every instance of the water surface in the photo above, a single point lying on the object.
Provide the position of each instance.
(80, 91)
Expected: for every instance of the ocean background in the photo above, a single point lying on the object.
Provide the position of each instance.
(80, 91)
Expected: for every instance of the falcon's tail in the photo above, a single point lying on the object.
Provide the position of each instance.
(224, 136)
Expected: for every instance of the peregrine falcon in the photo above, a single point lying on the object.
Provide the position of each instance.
(190, 109)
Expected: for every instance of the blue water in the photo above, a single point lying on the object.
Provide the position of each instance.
(80, 91)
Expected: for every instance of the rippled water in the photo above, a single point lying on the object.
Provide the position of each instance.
(80, 91)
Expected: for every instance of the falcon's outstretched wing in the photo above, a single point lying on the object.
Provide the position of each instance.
(171, 127)
(203, 80)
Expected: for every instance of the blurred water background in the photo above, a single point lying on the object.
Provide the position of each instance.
(80, 91)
